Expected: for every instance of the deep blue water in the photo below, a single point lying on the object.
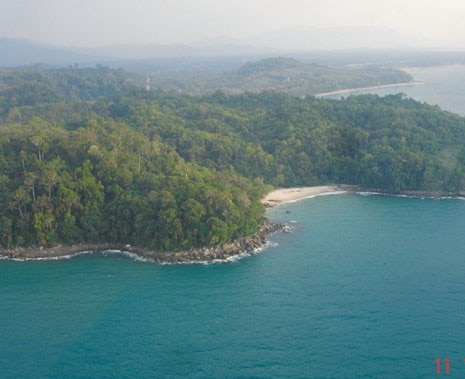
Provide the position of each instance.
(364, 287)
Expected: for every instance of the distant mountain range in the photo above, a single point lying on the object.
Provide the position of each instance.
(324, 46)
(312, 38)
(14, 52)
(18, 52)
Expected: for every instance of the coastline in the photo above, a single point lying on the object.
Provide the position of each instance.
(348, 90)
(286, 195)
(215, 254)
(228, 252)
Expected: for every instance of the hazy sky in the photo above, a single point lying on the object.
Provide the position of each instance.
(100, 22)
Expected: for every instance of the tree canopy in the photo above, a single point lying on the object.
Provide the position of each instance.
(169, 172)
(281, 74)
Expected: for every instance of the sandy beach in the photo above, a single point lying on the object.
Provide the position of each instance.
(343, 91)
(284, 195)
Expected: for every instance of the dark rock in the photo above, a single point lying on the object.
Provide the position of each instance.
(242, 245)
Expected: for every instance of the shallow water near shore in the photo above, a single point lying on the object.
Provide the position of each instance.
(364, 286)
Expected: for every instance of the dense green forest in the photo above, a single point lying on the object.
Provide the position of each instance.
(103, 181)
(111, 162)
(30, 89)
(284, 75)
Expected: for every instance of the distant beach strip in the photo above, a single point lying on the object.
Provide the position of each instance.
(349, 90)
(289, 195)
(286, 195)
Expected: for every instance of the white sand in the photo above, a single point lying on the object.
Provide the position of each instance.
(349, 90)
(285, 195)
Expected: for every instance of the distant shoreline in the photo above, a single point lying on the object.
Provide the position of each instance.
(348, 90)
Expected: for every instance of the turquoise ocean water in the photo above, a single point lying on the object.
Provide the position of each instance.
(363, 287)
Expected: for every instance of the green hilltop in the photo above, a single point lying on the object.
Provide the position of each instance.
(286, 75)
(111, 162)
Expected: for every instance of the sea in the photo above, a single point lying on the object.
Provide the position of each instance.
(438, 85)
(363, 286)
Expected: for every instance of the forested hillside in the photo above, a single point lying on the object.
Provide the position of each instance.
(31, 89)
(284, 75)
(107, 182)
(116, 163)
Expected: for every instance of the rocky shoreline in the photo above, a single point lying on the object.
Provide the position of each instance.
(220, 253)
(245, 245)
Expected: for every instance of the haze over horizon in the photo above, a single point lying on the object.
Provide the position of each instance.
(88, 23)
